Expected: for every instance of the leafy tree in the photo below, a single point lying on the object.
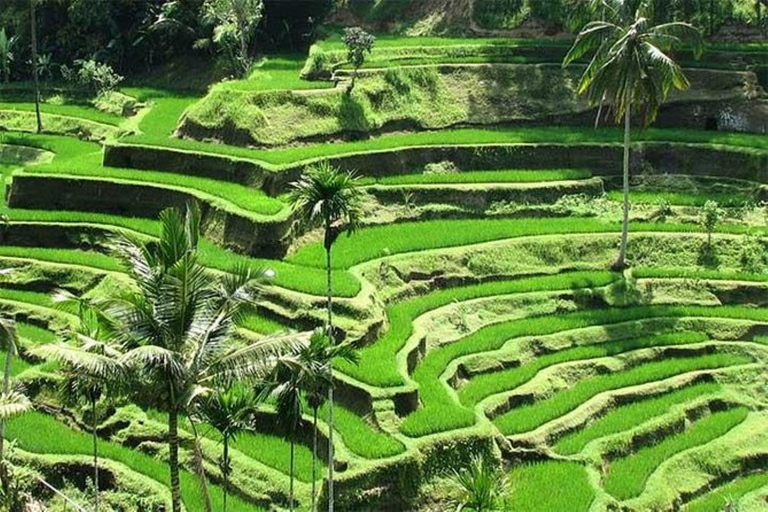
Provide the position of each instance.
(631, 71)
(328, 197)
(483, 486)
(7, 46)
(711, 215)
(230, 412)
(358, 43)
(235, 27)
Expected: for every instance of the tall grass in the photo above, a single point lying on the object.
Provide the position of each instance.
(460, 136)
(492, 383)
(630, 415)
(735, 199)
(627, 476)
(379, 241)
(501, 176)
(529, 417)
(360, 437)
(377, 362)
(64, 256)
(441, 413)
(551, 486)
(716, 499)
(38, 433)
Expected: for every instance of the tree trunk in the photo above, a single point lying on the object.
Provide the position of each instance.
(331, 340)
(33, 33)
(621, 263)
(95, 426)
(225, 469)
(173, 445)
(291, 500)
(200, 469)
(314, 459)
(6, 388)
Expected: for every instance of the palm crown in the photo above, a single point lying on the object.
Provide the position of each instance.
(631, 68)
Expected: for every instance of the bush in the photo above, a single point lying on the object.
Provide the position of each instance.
(97, 77)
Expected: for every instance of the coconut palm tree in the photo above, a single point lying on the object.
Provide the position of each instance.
(631, 71)
(328, 197)
(289, 400)
(230, 412)
(175, 321)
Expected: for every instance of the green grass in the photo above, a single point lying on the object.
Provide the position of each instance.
(488, 384)
(275, 73)
(697, 273)
(274, 451)
(28, 297)
(379, 241)
(34, 334)
(459, 136)
(551, 486)
(683, 198)
(501, 176)
(39, 433)
(626, 417)
(87, 163)
(261, 325)
(715, 500)
(528, 417)
(377, 362)
(59, 105)
(361, 438)
(627, 476)
(441, 413)
(64, 256)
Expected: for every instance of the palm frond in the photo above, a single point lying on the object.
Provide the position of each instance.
(12, 404)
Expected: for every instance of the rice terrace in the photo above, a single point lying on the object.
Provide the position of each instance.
(384, 255)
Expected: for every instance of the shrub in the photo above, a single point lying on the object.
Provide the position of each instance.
(444, 167)
(97, 77)
(711, 215)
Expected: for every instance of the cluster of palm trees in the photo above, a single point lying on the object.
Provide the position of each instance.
(166, 337)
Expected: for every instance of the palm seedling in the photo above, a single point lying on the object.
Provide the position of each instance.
(483, 486)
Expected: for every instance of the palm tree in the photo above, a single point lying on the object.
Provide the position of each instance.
(175, 323)
(329, 197)
(9, 342)
(304, 378)
(230, 412)
(631, 71)
(92, 371)
(483, 486)
(289, 404)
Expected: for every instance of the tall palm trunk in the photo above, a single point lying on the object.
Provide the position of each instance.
(6, 388)
(328, 244)
(173, 446)
(33, 33)
(94, 427)
(621, 263)
(292, 502)
(314, 458)
(226, 469)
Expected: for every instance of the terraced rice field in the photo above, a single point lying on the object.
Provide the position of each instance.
(487, 318)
